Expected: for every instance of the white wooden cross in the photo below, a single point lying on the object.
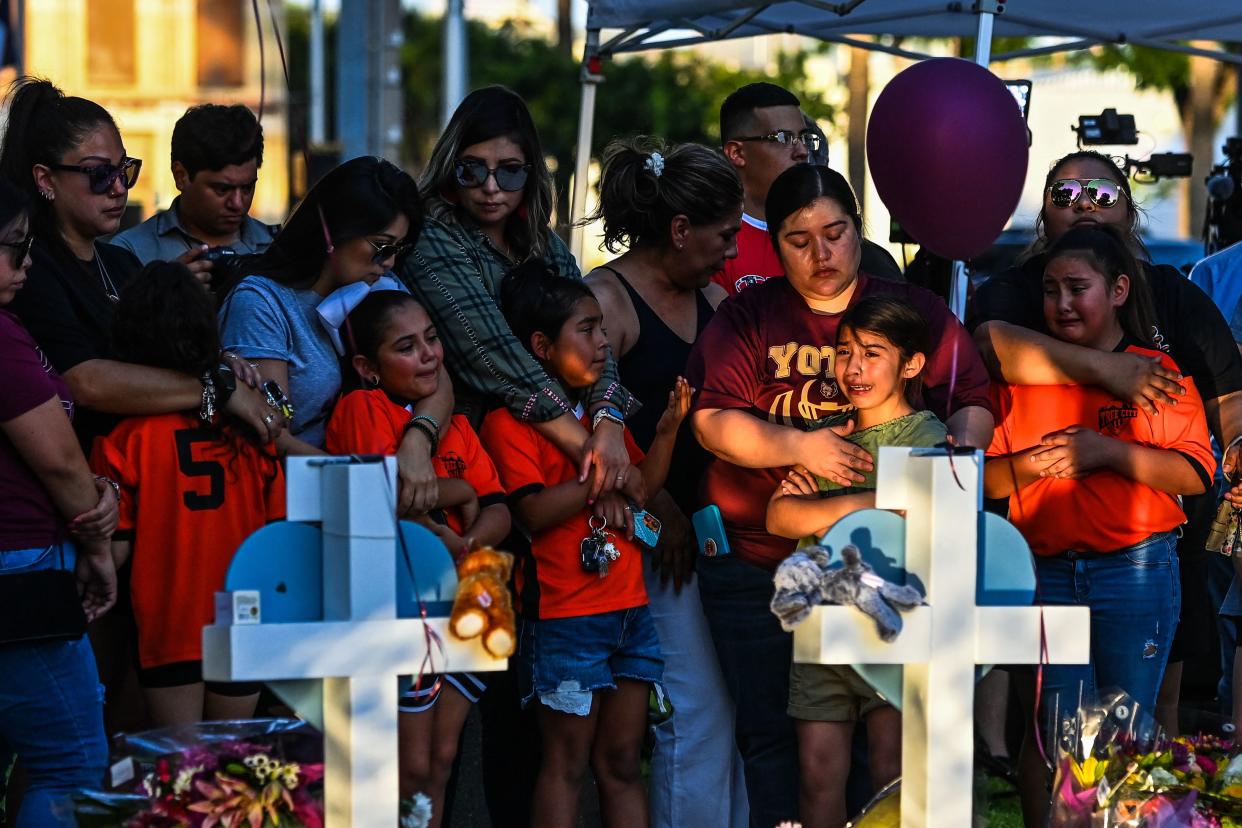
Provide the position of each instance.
(361, 646)
(941, 642)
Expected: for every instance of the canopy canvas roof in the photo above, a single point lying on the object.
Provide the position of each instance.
(660, 24)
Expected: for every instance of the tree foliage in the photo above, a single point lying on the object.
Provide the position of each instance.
(675, 95)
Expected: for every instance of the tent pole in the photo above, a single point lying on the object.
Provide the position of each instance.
(959, 283)
(591, 78)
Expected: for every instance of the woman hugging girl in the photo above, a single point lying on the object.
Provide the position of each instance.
(882, 346)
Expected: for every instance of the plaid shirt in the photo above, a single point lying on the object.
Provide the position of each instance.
(455, 272)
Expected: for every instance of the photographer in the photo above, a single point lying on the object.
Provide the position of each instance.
(216, 154)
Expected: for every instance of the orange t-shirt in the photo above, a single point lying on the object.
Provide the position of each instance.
(190, 495)
(370, 422)
(1103, 511)
(559, 588)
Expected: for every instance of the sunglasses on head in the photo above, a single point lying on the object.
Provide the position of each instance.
(102, 175)
(1066, 191)
(510, 177)
(21, 249)
(387, 250)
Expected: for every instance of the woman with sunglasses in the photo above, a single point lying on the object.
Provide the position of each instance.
(350, 229)
(66, 154)
(51, 714)
(1086, 188)
(489, 199)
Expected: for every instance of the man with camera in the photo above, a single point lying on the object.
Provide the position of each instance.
(216, 154)
(763, 133)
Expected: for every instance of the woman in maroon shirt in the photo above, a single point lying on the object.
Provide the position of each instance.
(763, 368)
(51, 707)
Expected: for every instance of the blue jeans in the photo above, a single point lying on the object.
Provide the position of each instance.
(755, 654)
(694, 749)
(1135, 597)
(51, 711)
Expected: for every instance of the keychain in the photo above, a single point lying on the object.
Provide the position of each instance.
(597, 550)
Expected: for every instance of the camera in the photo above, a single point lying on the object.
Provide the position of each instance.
(276, 398)
(215, 254)
(1106, 128)
(1222, 225)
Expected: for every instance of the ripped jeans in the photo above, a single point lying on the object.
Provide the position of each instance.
(1135, 596)
(564, 661)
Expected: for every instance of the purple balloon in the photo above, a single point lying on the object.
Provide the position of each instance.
(947, 148)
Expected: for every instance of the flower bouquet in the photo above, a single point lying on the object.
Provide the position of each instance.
(1116, 767)
(243, 774)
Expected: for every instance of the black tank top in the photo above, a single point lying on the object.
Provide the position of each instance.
(648, 370)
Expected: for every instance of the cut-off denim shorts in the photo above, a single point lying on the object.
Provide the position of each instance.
(564, 661)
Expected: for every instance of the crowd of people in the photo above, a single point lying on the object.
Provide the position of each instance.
(743, 357)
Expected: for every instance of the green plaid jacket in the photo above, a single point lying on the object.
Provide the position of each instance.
(455, 272)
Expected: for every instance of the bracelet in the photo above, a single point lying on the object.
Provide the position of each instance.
(431, 422)
(424, 429)
(116, 487)
(606, 414)
(207, 408)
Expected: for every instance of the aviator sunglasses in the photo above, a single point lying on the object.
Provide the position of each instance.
(102, 175)
(1102, 192)
(387, 250)
(21, 249)
(510, 177)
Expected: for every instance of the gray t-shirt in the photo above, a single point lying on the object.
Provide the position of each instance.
(265, 320)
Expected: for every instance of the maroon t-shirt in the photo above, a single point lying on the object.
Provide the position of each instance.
(766, 352)
(28, 518)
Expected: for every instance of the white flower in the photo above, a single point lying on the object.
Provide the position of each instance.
(655, 163)
(181, 784)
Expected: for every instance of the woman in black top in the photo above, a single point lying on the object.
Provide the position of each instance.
(1006, 318)
(67, 155)
(678, 211)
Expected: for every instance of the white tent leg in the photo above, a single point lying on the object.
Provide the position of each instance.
(960, 281)
(454, 84)
(582, 162)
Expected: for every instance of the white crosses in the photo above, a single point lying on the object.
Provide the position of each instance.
(942, 642)
(359, 648)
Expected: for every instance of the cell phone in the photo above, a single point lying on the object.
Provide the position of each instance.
(646, 527)
(709, 529)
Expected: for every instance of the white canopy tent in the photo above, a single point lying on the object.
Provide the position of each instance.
(618, 26)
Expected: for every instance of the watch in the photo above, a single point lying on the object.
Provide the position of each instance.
(225, 382)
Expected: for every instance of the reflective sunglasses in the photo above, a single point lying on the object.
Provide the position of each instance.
(786, 137)
(509, 177)
(102, 175)
(21, 249)
(1065, 192)
(387, 250)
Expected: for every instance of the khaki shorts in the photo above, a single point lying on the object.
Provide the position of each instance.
(830, 693)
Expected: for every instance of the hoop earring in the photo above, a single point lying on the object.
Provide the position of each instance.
(373, 382)
(48, 195)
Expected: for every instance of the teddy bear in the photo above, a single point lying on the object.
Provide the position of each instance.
(804, 580)
(483, 606)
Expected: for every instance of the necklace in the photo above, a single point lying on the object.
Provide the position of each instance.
(105, 281)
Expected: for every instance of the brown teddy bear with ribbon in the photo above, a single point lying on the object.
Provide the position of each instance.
(483, 606)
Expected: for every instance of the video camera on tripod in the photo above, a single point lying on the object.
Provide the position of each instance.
(1222, 225)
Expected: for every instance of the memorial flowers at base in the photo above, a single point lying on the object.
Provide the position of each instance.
(1115, 767)
(214, 782)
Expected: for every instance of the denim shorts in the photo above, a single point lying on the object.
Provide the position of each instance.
(564, 661)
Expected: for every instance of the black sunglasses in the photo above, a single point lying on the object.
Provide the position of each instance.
(509, 177)
(386, 251)
(102, 175)
(21, 249)
(786, 137)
